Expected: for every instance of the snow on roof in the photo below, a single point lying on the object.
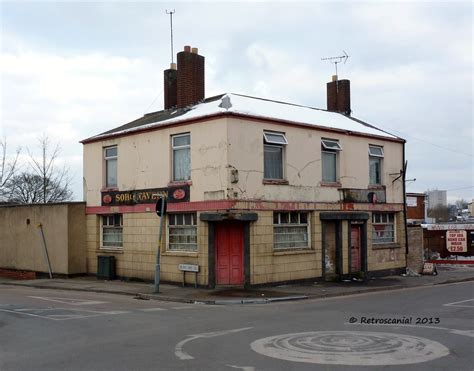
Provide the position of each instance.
(257, 107)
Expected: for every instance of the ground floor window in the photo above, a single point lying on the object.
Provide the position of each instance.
(182, 232)
(290, 230)
(383, 228)
(112, 230)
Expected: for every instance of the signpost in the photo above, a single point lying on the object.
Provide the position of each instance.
(161, 212)
(456, 241)
(430, 269)
(189, 268)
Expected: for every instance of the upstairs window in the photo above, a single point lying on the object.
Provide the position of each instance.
(110, 158)
(329, 159)
(181, 146)
(375, 164)
(273, 155)
(290, 230)
(112, 230)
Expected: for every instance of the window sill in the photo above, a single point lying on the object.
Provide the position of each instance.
(301, 250)
(376, 186)
(276, 181)
(383, 246)
(330, 184)
(109, 189)
(110, 250)
(188, 254)
(180, 183)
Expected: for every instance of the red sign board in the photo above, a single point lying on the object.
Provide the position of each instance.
(145, 196)
(456, 241)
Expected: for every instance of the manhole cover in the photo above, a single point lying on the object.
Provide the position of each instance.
(350, 348)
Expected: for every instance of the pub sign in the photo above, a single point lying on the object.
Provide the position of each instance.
(145, 196)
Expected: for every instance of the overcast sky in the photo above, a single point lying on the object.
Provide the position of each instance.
(71, 70)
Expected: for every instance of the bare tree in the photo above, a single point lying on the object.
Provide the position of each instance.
(46, 182)
(8, 168)
(26, 188)
(440, 213)
(461, 204)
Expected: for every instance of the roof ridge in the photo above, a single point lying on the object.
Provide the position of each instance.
(281, 102)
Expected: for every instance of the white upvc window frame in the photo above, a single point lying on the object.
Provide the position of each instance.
(278, 140)
(107, 160)
(174, 148)
(376, 155)
(330, 147)
(293, 219)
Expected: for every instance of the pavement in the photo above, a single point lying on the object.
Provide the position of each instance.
(226, 296)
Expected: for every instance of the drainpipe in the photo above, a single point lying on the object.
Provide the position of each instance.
(405, 205)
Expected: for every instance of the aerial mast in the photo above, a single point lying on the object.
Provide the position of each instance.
(171, 12)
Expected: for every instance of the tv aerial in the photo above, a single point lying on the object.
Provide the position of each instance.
(171, 12)
(337, 60)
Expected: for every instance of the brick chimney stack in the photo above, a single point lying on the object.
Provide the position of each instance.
(339, 96)
(171, 86)
(190, 81)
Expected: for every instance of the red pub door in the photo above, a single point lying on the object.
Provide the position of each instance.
(355, 249)
(229, 253)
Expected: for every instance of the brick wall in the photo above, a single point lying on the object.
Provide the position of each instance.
(339, 96)
(190, 78)
(415, 248)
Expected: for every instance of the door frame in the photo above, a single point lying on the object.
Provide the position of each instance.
(340, 217)
(363, 245)
(360, 226)
(215, 217)
(240, 229)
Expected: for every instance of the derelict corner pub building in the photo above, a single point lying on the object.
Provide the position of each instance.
(259, 192)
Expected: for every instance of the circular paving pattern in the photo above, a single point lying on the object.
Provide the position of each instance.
(350, 348)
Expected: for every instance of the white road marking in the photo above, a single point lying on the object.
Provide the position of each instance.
(178, 350)
(152, 309)
(16, 311)
(69, 301)
(245, 368)
(183, 307)
(469, 333)
(73, 313)
(355, 348)
(456, 304)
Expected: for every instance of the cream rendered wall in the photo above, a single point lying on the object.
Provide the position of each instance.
(303, 163)
(144, 160)
(21, 243)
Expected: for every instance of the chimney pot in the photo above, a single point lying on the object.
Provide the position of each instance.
(194, 50)
(173, 66)
(334, 77)
(187, 49)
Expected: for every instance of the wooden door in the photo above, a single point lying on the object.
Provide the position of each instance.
(229, 240)
(355, 249)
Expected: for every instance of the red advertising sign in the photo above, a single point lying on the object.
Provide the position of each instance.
(456, 241)
(145, 196)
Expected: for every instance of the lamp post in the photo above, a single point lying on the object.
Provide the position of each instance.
(161, 212)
